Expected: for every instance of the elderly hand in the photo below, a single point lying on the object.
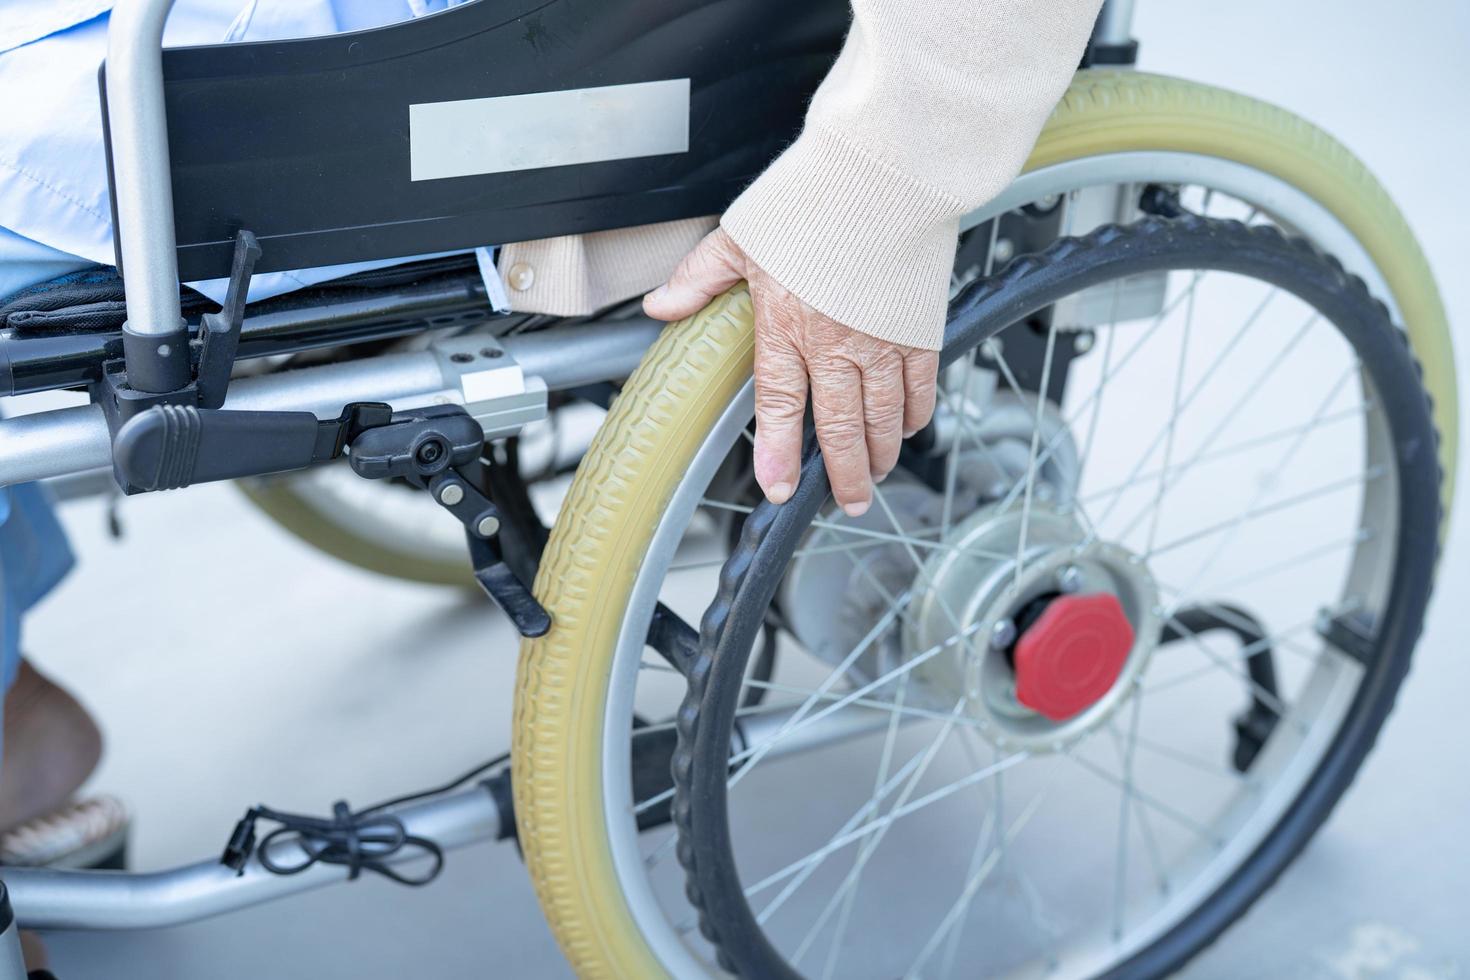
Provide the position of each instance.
(867, 394)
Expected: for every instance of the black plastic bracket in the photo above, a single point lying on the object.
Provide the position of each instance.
(1353, 633)
(439, 450)
(172, 386)
(219, 333)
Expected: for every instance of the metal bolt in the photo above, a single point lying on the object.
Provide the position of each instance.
(488, 525)
(430, 452)
(1083, 341)
(1002, 634)
(461, 357)
(492, 352)
(1004, 250)
(1069, 579)
(451, 494)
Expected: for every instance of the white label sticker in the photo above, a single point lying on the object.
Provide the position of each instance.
(548, 129)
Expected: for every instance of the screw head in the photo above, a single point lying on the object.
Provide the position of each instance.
(1069, 579)
(1004, 250)
(1083, 341)
(1002, 634)
(430, 452)
(451, 494)
(488, 525)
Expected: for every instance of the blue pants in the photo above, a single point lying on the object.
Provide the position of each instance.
(34, 556)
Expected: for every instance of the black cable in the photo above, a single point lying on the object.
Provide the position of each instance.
(361, 840)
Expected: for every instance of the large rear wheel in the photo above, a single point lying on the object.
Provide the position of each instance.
(633, 532)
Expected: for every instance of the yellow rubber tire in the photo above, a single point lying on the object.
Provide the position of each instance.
(688, 379)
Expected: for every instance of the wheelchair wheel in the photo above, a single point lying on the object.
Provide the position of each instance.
(1118, 833)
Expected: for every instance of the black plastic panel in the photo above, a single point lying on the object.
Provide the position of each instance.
(306, 142)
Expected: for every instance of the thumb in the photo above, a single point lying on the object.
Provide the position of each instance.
(713, 266)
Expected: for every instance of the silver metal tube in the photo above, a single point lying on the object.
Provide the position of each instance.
(142, 190)
(1114, 23)
(73, 440)
(47, 899)
(568, 357)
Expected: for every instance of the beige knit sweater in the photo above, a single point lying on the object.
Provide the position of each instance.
(929, 112)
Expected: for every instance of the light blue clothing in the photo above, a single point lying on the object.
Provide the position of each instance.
(35, 558)
(54, 211)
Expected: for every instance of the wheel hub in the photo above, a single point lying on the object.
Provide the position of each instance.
(1054, 639)
(1072, 655)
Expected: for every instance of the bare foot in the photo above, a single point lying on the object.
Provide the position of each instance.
(51, 746)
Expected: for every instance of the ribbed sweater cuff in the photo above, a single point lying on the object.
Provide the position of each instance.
(854, 238)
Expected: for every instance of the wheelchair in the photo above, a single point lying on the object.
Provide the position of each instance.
(1109, 646)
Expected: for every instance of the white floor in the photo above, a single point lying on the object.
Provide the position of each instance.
(287, 678)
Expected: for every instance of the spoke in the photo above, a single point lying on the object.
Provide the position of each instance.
(1149, 801)
(1283, 462)
(898, 710)
(880, 826)
(1125, 798)
(1102, 384)
(904, 537)
(923, 572)
(653, 801)
(986, 841)
(1275, 641)
(1145, 826)
(1225, 614)
(898, 813)
(961, 906)
(1041, 390)
(1158, 506)
(755, 709)
(1266, 697)
(1064, 429)
(1186, 758)
(856, 819)
(662, 851)
(1280, 435)
(755, 753)
(847, 893)
(1300, 558)
(1305, 496)
(1248, 395)
(1026, 484)
(951, 464)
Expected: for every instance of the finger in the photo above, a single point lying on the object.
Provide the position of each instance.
(920, 376)
(837, 405)
(780, 406)
(713, 266)
(883, 413)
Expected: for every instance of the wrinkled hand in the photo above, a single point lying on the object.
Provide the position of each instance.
(867, 394)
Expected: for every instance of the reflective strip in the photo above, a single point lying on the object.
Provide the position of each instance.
(548, 129)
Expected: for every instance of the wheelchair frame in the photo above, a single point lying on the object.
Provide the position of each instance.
(503, 394)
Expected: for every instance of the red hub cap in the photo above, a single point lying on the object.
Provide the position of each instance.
(1072, 654)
